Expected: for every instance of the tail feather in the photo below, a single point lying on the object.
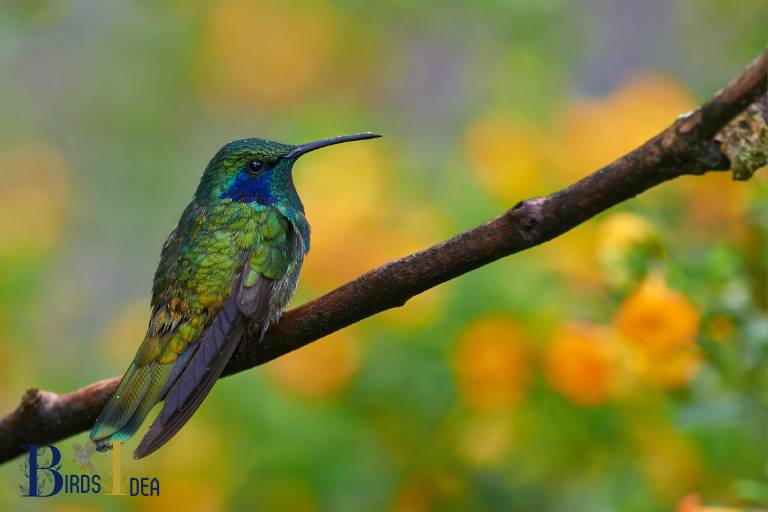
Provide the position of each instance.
(138, 392)
(215, 348)
(154, 393)
(122, 406)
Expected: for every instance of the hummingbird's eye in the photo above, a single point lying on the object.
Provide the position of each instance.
(255, 167)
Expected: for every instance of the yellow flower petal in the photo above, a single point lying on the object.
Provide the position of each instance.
(581, 363)
(493, 363)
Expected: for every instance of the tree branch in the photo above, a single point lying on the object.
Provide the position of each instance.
(688, 146)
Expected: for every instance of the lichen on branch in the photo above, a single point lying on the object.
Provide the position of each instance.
(745, 140)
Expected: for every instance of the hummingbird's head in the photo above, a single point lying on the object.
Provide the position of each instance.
(258, 170)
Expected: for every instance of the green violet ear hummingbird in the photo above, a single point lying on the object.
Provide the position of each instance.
(230, 265)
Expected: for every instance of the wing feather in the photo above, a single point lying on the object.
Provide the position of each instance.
(216, 346)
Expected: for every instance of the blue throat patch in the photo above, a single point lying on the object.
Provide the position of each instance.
(247, 188)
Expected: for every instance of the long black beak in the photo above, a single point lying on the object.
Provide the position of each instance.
(311, 146)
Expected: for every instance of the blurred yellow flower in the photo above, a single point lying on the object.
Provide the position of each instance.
(356, 223)
(35, 199)
(319, 369)
(581, 363)
(486, 439)
(660, 326)
(595, 132)
(265, 53)
(620, 231)
(657, 318)
(573, 255)
(617, 235)
(714, 206)
(674, 370)
(507, 157)
(344, 192)
(419, 311)
(493, 363)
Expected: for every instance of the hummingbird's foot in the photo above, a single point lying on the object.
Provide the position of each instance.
(103, 445)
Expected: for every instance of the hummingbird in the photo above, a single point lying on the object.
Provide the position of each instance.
(228, 268)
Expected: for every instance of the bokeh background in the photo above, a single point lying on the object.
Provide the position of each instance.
(619, 367)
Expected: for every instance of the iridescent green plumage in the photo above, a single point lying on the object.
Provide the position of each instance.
(232, 262)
